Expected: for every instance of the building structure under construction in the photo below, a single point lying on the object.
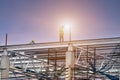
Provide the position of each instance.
(93, 59)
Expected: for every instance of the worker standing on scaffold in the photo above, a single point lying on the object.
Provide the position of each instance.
(61, 33)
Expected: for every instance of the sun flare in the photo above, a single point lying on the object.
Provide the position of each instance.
(67, 27)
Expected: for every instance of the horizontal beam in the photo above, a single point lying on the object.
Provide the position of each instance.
(57, 58)
(64, 44)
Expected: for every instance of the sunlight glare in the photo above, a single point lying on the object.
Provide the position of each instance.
(67, 27)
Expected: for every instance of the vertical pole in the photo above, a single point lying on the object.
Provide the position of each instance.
(5, 63)
(55, 64)
(5, 66)
(94, 62)
(119, 65)
(48, 63)
(6, 40)
(87, 58)
(119, 73)
(69, 63)
(70, 34)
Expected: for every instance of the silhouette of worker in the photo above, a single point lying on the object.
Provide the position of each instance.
(61, 33)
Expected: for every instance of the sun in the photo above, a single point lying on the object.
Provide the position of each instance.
(67, 27)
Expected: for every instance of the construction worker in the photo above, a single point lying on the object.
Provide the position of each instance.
(32, 42)
(61, 33)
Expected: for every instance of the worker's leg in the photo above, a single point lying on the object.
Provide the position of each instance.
(60, 39)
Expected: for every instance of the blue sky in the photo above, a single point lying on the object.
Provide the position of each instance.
(40, 20)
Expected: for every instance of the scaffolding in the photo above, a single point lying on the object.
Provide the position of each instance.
(94, 59)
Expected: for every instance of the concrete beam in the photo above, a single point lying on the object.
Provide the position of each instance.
(64, 44)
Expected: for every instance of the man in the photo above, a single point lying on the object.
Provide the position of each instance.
(61, 33)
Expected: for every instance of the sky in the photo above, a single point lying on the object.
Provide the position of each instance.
(39, 20)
